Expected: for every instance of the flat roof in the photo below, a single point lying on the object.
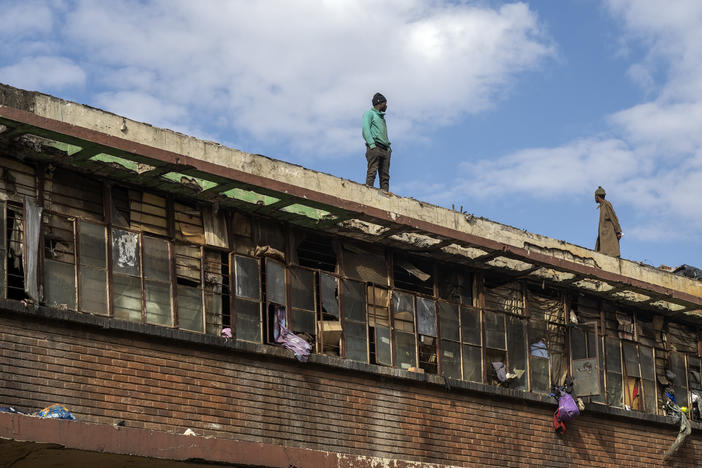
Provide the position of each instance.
(106, 144)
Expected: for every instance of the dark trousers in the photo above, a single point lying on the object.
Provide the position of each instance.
(378, 161)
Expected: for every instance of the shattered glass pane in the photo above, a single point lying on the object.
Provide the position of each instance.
(472, 364)
(190, 308)
(329, 294)
(275, 282)
(127, 297)
(403, 306)
(355, 341)
(382, 346)
(125, 252)
(426, 317)
(248, 320)
(354, 301)
(448, 321)
(302, 288)
(158, 302)
(495, 330)
(60, 284)
(470, 326)
(405, 355)
(450, 359)
(247, 277)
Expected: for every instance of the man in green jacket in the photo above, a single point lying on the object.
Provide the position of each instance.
(378, 151)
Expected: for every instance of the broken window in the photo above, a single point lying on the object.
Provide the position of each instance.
(216, 291)
(632, 389)
(126, 275)
(188, 263)
(147, 212)
(92, 247)
(547, 332)
(413, 274)
(426, 330)
(329, 325)
(59, 262)
(648, 378)
(316, 251)
(188, 224)
(677, 375)
(516, 351)
(215, 227)
(504, 297)
(157, 281)
(247, 292)
(471, 338)
(693, 379)
(275, 294)
(365, 264)
(403, 330)
(302, 299)
(14, 223)
(585, 357)
(450, 340)
(354, 321)
(613, 361)
(379, 325)
(455, 286)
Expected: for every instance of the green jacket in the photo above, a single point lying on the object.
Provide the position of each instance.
(374, 128)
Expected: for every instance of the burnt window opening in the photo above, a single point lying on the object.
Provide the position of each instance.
(455, 285)
(547, 339)
(677, 376)
(413, 274)
(355, 331)
(247, 298)
(639, 377)
(59, 261)
(317, 252)
(426, 330)
(504, 296)
(15, 251)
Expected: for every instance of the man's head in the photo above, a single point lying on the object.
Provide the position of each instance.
(600, 194)
(379, 102)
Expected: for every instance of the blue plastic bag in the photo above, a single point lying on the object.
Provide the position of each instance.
(56, 411)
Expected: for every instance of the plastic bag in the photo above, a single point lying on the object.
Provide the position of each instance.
(56, 411)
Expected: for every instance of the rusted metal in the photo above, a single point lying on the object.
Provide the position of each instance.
(81, 135)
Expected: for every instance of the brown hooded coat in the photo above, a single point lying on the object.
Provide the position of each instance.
(607, 241)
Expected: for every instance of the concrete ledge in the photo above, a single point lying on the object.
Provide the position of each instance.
(331, 363)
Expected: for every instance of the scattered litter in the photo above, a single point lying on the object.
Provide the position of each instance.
(689, 271)
(227, 332)
(288, 339)
(10, 409)
(189, 432)
(56, 411)
(684, 431)
(568, 409)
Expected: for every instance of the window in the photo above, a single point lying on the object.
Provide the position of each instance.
(330, 324)
(59, 261)
(613, 361)
(157, 281)
(450, 340)
(3, 251)
(92, 248)
(189, 291)
(216, 291)
(275, 294)
(586, 361)
(455, 285)
(379, 325)
(471, 338)
(126, 275)
(303, 298)
(413, 274)
(547, 333)
(403, 330)
(247, 297)
(354, 320)
(426, 330)
(677, 365)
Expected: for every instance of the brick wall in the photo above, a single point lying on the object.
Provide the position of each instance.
(107, 375)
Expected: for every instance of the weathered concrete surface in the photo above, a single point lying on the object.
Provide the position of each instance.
(211, 152)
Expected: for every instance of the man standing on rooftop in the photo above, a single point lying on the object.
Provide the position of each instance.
(609, 231)
(378, 151)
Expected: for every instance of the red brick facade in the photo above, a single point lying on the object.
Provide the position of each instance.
(170, 384)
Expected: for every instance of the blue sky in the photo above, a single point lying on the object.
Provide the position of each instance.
(516, 111)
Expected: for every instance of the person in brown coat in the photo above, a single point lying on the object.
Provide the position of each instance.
(609, 232)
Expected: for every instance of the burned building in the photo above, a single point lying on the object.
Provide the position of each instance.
(155, 284)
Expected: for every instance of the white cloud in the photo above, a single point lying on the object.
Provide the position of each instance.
(43, 73)
(303, 72)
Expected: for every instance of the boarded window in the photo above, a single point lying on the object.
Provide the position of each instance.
(450, 340)
(354, 321)
(188, 262)
(403, 327)
(75, 195)
(188, 224)
(302, 291)
(93, 268)
(147, 212)
(59, 261)
(157, 281)
(126, 275)
(247, 298)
